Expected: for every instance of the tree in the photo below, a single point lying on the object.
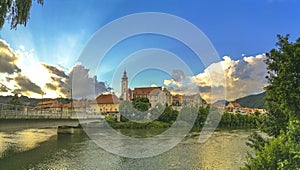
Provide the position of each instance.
(283, 91)
(201, 117)
(14, 102)
(17, 12)
(283, 119)
(169, 115)
(141, 103)
(282, 152)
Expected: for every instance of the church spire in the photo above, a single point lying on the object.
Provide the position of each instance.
(124, 86)
(125, 75)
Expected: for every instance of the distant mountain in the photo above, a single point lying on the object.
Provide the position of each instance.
(224, 102)
(253, 101)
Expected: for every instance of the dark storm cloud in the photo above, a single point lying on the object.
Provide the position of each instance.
(8, 79)
(7, 59)
(55, 71)
(26, 85)
(51, 86)
(58, 80)
(3, 88)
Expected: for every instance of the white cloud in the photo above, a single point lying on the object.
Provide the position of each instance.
(239, 77)
(31, 67)
(24, 73)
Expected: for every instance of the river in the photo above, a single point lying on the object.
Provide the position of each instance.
(44, 149)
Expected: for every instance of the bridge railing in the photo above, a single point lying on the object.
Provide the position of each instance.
(8, 111)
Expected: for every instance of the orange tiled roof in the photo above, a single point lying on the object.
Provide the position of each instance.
(46, 102)
(235, 104)
(107, 99)
(144, 90)
(57, 105)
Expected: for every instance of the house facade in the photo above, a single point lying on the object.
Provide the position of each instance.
(105, 103)
(233, 107)
(160, 97)
(177, 100)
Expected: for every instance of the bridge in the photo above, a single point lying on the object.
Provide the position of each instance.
(19, 117)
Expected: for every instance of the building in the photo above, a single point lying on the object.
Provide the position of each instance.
(159, 96)
(124, 87)
(233, 107)
(156, 95)
(192, 100)
(142, 92)
(46, 104)
(78, 106)
(105, 103)
(177, 100)
(168, 96)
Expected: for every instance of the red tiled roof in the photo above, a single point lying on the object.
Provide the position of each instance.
(46, 102)
(235, 104)
(57, 105)
(107, 99)
(144, 90)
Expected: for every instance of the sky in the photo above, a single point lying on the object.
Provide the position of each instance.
(59, 31)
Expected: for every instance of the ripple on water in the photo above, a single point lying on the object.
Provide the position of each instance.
(224, 150)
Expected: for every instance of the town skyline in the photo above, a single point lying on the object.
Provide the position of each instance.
(39, 58)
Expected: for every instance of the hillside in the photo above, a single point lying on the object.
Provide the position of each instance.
(23, 99)
(252, 101)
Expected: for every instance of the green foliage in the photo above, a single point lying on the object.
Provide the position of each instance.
(14, 103)
(137, 110)
(283, 91)
(282, 152)
(188, 114)
(238, 120)
(256, 142)
(141, 103)
(283, 103)
(169, 115)
(128, 124)
(16, 12)
(201, 118)
(141, 106)
(226, 120)
(140, 99)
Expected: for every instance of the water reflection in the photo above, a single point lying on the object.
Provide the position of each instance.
(20, 141)
(2, 144)
(31, 138)
(43, 149)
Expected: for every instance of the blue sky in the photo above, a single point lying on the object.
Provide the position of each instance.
(59, 30)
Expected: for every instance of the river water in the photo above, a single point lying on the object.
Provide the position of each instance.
(44, 149)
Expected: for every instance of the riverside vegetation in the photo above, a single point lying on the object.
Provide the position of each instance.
(169, 116)
(282, 122)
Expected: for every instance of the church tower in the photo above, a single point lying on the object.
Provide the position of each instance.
(124, 87)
